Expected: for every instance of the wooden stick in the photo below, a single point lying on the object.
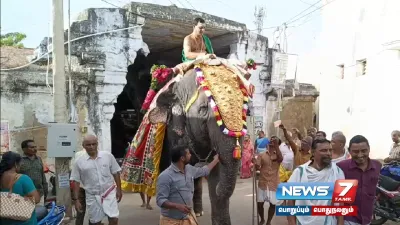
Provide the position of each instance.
(256, 190)
(254, 177)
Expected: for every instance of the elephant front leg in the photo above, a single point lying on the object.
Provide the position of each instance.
(198, 197)
(219, 204)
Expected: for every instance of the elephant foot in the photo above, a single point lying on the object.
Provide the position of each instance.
(200, 214)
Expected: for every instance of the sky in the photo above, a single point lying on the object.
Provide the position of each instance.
(33, 17)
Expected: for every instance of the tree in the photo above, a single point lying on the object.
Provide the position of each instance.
(13, 39)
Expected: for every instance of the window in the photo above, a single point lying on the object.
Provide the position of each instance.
(341, 71)
(361, 67)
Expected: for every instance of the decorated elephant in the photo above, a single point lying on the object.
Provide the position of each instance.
(204, 109)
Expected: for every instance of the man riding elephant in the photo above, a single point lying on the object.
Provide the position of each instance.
(197, 47)
(197, 43)
(201, 103)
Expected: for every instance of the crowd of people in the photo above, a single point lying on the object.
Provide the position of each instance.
(314, 158)
(24, 175)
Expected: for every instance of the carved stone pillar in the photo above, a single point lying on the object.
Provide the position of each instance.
(106, 58)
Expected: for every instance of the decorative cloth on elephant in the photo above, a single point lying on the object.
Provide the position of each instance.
(140, 168)
(228, 99)
(160, 76)
(238, 67)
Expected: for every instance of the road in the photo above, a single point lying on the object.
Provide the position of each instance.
(240, 208)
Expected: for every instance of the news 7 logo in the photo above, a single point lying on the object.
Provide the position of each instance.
(345, 191)
(342, 191)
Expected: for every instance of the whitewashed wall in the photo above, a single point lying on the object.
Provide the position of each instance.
(255, 47)
(369, 104)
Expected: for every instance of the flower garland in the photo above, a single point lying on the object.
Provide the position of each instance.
(159, 76)
(237, 134)
(251, 64)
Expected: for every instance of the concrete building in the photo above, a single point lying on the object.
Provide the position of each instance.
(358, 70)
(107, 91)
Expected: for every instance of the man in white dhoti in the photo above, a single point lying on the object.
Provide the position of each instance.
(319, 169)
(99, 174)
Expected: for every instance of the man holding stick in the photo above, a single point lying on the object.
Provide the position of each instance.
(175, 187)
(268, 163)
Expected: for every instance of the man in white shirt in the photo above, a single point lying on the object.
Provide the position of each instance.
(80, 215)
(98, 173)
(319, 169)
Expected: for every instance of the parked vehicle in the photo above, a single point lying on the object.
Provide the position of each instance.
(387, 204)
(54, 216)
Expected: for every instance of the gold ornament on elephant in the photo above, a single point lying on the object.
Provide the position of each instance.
(224, 86)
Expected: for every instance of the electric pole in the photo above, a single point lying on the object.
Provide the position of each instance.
(60, 102)
(259, 15)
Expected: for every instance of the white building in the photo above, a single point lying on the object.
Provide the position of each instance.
(100, 70)
(357, 69)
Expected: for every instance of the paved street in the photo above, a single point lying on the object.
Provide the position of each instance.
(240, 208)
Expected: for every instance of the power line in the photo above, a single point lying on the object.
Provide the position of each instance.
(305, 2)
(301, 24)
(190, 4)
(266, 28)
(288, 21)
(306, 21)
(76, 39)
(276, 39)
(311, 12)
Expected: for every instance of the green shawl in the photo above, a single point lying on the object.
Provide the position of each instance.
(209, 49)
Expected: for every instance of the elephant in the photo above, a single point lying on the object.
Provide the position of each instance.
(197, 128)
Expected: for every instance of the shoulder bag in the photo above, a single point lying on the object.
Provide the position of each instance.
(14, 206)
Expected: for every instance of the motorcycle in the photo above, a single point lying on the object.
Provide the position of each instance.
(52, 215)
(387, 203)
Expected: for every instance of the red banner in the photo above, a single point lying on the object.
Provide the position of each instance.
(334, 211)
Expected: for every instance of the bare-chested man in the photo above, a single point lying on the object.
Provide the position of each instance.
(197, 44)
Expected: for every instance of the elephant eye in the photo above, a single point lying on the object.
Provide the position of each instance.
(203, 108)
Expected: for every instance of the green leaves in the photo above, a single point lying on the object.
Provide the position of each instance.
(13, 39)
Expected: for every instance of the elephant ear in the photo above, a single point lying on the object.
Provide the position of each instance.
(164, 102)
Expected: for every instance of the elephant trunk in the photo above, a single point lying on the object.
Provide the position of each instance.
(228, 166)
